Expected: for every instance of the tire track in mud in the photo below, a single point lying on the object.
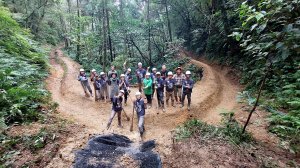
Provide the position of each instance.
(209, 95)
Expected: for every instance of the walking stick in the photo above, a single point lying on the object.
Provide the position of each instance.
(128, 119)
(131, 126)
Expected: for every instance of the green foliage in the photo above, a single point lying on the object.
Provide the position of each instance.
(22, 69)
(230, 130)
(270, 32)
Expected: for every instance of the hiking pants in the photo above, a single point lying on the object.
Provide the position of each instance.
(104, 92)
(97, 94)
(113, 113)
(86, 86)
(140, 86)
(141, 121)
(189, 95)
(126, 96)
(168, 96)
(178, 93)
(160, 98)
(149, 99)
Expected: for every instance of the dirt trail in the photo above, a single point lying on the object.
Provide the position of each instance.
(212, 95)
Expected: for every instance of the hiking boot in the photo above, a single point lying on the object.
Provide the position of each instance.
(182, 106)
(120, 126)
(125, 104)
(189, 108)
(164, 110)
(149, 107)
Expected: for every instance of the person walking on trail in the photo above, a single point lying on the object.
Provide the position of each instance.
(187, 88)
(153, 77)
(128, 76)
(93, 79)
(97, 82)
(112, 70)
(164, 72)
(116, 109)
(124, 85)
(140, 106)
(85, 83)
(114, 85)
(178, 77)
(148, 89)
(159, 87)
(170, 86)
(140, 74)
(103, 86)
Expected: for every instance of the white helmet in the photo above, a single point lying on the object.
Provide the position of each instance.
(147, 74)
(81, 70)
(93, 70)
(154, 69)
(122, 91)
(138, 93)
(170, 73)
(140, 64)
(122, 75)
(129, 69)
(158, 73)
(102, 73)
(188, 73)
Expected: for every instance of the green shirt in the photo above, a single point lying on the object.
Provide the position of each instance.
(147, 86)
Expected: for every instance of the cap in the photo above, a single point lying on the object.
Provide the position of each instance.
(158, 73)
(140, 63)
(147, 74)
(170, 73)
(178, 68)
(122, 75)
(154, 69)
(102, 73)
(188, 73)
(93, 70)
(129, 69)
(121, 91)
(138, 93)
(81, 70)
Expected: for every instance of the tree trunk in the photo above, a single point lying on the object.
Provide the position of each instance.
(149, 32)
(78, 33)
(104, 35)
(109, 36)
(168, 20)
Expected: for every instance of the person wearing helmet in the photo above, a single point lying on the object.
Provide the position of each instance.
(170, 85)
(128, 76)
(148, 89)
(97, 83)
(114, 85)
(93, 79)
(85, 83)
(159, 86)
(140, 106)
(140, 74)
(178, 77)
(187, 88)
(124, 85)
(164, 72)
(103, 86)
(153, 77)
(116, 109)
(112, 70)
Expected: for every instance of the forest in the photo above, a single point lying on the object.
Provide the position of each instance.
(258, 40)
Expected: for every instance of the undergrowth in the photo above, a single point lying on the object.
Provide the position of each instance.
(229, 130)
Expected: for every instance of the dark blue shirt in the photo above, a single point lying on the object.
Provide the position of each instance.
(140, 74)
(124, 86)
(170, 84)
(186, 83)
(98, 84)
(160, 84)
(140, 107)
(117, 103)
(103, 82)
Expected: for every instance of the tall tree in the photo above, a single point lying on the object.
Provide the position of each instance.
(78, 31)
(104, 27)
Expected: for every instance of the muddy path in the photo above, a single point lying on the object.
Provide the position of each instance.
(211, 96)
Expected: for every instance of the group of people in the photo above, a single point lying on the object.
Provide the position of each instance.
(176, 87)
